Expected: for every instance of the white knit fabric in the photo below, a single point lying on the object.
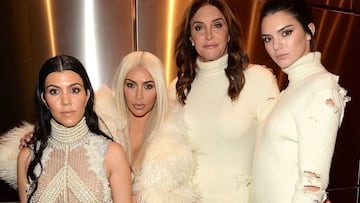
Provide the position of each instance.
(223, 131)
(299, 135)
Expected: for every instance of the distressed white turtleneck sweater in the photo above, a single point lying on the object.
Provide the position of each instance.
(299, 136)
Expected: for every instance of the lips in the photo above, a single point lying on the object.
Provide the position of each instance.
(139, 106)
(210, 46)
(281, 56)
(67, 113)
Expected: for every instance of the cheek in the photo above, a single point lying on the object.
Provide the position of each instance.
(151, 98)
(127, 94)
(196, 36)
(52, 103)
(268, 48)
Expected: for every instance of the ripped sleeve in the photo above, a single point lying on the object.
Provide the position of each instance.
(317, 132)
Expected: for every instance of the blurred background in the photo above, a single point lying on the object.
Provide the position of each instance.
(100, 33)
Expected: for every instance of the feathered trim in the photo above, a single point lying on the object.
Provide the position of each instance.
(168, 166)
(9, 150)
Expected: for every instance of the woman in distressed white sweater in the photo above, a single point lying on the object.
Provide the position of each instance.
(137, 114)
(293, 156)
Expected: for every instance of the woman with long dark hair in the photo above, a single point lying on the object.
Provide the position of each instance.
(71, 159)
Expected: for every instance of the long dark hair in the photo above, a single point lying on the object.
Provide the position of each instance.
(186, 54)
(300, 9)
(42, 126)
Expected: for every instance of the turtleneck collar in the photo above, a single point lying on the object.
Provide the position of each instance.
(304, 66)
(66, 135)
(208, 67)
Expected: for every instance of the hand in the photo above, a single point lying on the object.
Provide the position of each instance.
(24, 141)
(134, 199)
(327, 201)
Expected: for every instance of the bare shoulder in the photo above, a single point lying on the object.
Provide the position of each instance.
(115, 150)
(24, 155)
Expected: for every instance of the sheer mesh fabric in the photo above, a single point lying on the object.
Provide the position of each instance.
(74, 172)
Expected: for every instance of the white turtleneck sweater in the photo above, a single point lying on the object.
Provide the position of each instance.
(224, 132)
(299, 136)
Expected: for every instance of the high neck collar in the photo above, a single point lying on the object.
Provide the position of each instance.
(66, 135)
(304, 67)
(217, 65)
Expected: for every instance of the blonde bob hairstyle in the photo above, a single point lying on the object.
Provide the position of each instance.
(157, 115)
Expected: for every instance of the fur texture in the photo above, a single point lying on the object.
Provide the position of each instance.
(109, 119)
(9, 149)
(169, 163)
(168, 167)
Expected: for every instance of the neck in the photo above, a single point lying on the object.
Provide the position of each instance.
(68, 135)
(136, 134)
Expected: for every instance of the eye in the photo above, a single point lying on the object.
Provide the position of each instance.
(266, 39)
(75, 90)
(218, 25)
(286, 33)
(198, 27)
(53, 91)
(149, 86)
(130, 84)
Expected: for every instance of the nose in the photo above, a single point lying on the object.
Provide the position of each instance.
(209, 34)
(139, 93)
(65, 99)
(277, 44)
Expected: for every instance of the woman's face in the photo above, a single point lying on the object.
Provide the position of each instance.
(209, 33)
(65, 97)
(284, 38)
(139, 91)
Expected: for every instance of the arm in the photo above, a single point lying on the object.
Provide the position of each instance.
(118, 173)
(263, 96)
(23, 162)
(317, 132)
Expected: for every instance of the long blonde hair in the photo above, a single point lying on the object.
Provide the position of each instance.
(158, 114)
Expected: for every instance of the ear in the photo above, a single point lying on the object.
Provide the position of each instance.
(192, 41)
(87, 96)
(312, 29)
(43, 99)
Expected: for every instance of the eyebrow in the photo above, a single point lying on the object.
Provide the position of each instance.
(56, 86)
(280, 30)
(285, 27)
(150, 81)
(217, 19)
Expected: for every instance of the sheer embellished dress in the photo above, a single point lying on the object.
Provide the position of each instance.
(73, 166)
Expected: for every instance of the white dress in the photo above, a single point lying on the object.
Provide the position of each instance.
(224, 132)
(73, 166)
(299, 135)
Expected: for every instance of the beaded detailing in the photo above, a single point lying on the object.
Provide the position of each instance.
(68, 136)
(73, 166)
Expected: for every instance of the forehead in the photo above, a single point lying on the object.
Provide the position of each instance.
(278, 20)
(139, 73)
(66, 76)
(207, 13)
